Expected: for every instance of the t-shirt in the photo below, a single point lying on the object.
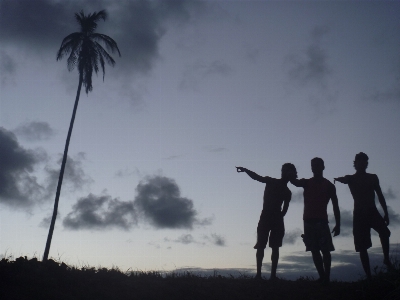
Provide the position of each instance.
(317, 193)
(275, 193)
(362, 187)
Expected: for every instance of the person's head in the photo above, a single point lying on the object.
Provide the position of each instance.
(317, 165)
(361, 161)
(288, 171)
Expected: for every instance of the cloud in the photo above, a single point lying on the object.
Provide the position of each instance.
(200, 70)
(389, 194)
(297, 197)
(159, 201)
(346, 222)
(312, 66)
(392, 94)
(8, 67)
(292, 236)
(216, 239)
(185, 239)
(311, 71)
(74, 178)
(216, 149)
(394, 217)
(19, 187)
(101, 212)
(34, 131)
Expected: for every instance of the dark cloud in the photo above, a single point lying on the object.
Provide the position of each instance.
(34, 131)
(200, 70)
(74, 178)
(137, 26)
(292, 236)
(160, 203)
(18, 185)
(101, 212)
(346, 265)
(19, 168)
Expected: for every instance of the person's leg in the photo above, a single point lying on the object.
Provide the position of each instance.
(259, 260)
(274, 260)
(385, 247)
(365, 263)
(317, 258)
(326, 256)
(379, 225)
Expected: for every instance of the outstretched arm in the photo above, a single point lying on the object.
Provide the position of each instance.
(344, 179)
(336, 211)
(252, 174)
(382, 200)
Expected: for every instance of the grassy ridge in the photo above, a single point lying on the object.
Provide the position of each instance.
(31, 279)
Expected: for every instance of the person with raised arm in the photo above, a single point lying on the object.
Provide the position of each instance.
(363, 187)
(271, 225)
(317, 236)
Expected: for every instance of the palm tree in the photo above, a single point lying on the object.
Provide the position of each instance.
(85, 51)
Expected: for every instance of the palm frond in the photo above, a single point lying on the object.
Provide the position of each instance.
(67, 44)
(111, 45)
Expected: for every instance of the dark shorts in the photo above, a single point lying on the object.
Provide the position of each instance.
(317, 236)
(270, 226)
(363, 221)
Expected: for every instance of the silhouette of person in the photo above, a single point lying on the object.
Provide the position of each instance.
(363, 187)
(271, 225)
(317, 236)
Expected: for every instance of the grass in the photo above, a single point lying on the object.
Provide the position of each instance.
(25, 278)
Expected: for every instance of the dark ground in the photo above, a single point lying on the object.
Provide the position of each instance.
(31, 279)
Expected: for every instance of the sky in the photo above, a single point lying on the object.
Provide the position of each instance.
(200, 87)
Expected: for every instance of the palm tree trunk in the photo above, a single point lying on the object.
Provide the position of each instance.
(60, 178)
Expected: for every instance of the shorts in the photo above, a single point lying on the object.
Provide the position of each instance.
(317, 236)
(270, 226)
(363, 221)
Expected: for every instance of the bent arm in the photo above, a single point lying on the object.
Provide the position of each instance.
(382, 200)
(285, 207)
(336, 211)
(298, 182)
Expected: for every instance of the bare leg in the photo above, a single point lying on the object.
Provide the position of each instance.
(274, 260)
(259, 259)
(317, 258)
(365, 263)
(326, 256)
(385, 248)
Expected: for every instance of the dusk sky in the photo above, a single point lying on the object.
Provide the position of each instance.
(200, 87)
